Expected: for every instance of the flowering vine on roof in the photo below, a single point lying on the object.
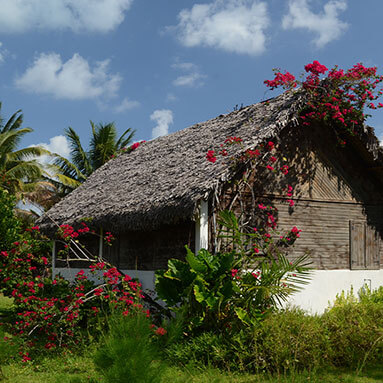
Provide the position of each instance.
(335, 96)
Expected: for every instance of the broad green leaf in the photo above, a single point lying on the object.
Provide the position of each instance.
(194, 263)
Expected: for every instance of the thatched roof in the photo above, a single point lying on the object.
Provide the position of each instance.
(163, 180)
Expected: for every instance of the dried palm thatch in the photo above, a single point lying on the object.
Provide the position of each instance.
(162, 181)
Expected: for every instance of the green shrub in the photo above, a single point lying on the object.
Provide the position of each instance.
(374, 296)
(207, 349)
(9, 224)
(128, 353)
(356, 329)
(349, 334)
(290, 340)
(287, 340)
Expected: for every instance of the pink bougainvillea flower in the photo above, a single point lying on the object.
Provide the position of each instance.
(316, 68)
(210, 156)
(135, 146)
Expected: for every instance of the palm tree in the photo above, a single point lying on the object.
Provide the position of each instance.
(20, 171)
(103, 146)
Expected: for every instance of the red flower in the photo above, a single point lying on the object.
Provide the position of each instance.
(316, 68)
(234, 273)
(127, 278)
(161, 331)
(135, 146)
(210, 156)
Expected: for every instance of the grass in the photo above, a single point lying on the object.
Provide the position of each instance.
(71, 368)
(55, 369)
(372, 375)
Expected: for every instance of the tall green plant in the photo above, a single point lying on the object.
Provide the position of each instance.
(128, 353)
(9, 224)
(232, 288)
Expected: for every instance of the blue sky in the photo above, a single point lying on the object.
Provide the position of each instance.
(158, 66)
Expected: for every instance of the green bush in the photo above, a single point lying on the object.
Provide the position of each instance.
(128, 353)
(9, 224)
(290, 340)
(284, 341)
(207, 349)
(356, 329)
(349, 334)
(374, 296)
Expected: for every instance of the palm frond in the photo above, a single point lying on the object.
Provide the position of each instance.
(14, 122)
(28, 153)
(62, 166)
(103, 143)
(68, 182)
(42, 193)
(124, 141)
(78, 155)
(11, 139)
(24, 170)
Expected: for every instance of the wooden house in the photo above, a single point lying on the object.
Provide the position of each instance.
(165, 194)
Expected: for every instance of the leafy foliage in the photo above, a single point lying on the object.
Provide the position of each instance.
(9, 224)
(226, 290)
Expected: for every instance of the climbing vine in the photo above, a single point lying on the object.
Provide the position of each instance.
(335, 96)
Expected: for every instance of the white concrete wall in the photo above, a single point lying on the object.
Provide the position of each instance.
(326, 284)
(146, 278)
(314, 298)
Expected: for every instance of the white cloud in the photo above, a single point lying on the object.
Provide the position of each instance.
(73, 79)
(126, 104)
(163, 118)
(326, 25)
(57, 144)
(77, 15)
(230, 25)
(193, 77)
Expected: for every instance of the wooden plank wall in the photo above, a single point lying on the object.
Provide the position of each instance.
(326, 229)
(332, 186)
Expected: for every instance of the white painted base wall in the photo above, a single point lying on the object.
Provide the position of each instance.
(326, 284)
(146, 278)
(315, 298)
